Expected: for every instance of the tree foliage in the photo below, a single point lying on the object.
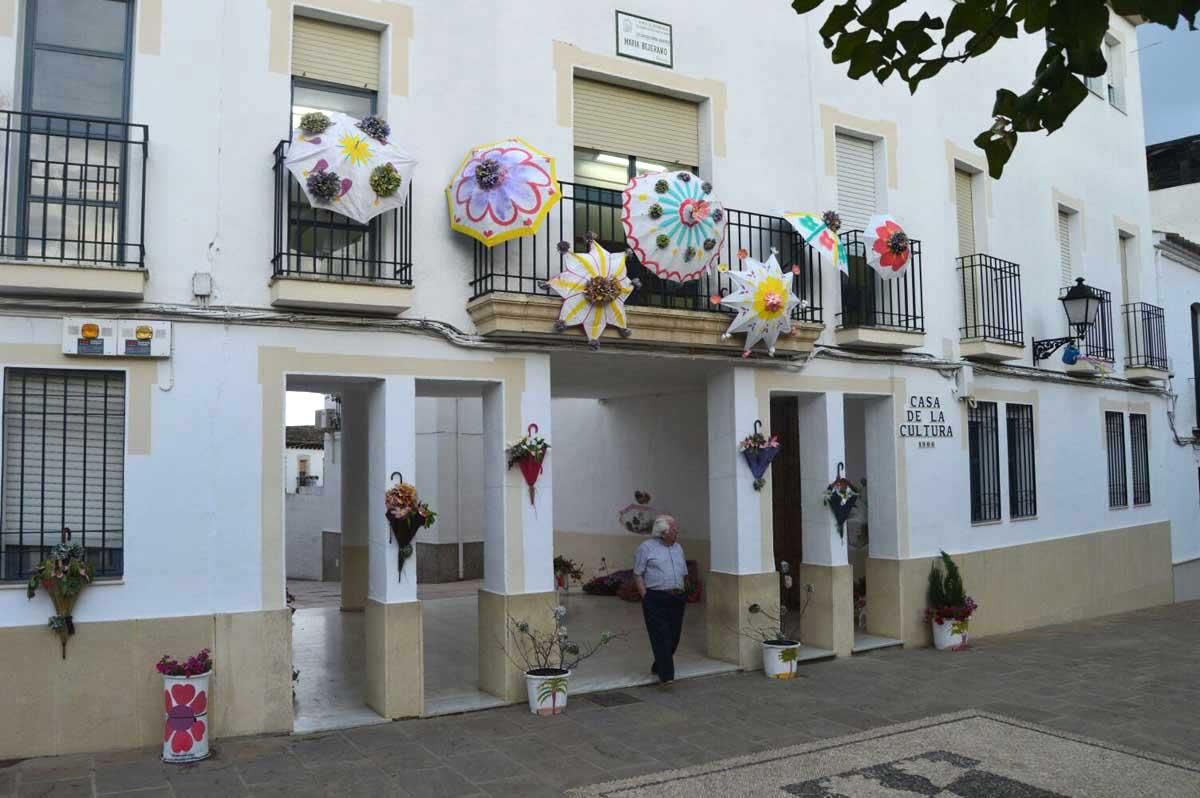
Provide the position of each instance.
(864, 36)
(945, 587)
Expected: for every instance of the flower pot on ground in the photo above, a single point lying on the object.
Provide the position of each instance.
(548, 659)
(778, 634)
(566, 571)
(780, 658)
(949, 608)
(185, 701)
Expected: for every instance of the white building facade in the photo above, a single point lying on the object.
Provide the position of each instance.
(144, 186)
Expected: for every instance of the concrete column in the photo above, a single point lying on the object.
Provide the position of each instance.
(741, 537)
(355, 503)
(828, 622)
(518, 535)
(888, 547)
(395, 676)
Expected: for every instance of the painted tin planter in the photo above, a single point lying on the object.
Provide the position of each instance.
(780, 658)
(185, 732)
(547, 690)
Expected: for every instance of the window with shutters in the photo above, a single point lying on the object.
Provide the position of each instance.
(984, 458)
(1139, 439)
(1124, 247)
(1114, 434)
(1114, 77)
(64, 467)
(856, 165)
(964, 202)
(1066, 252)
(1022, 470)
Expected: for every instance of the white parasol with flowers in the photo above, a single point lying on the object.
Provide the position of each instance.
(889, 250)
(348, 165)
(502, 191)
(764, 301)
(673, 224)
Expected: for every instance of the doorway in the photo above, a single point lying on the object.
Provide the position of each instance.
(785, 497)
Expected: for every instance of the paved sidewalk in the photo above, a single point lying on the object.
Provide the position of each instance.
(1131, 679)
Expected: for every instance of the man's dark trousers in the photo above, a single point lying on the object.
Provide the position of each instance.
(663, 611)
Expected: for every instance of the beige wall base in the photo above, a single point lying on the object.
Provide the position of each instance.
(354, 577)
(498, 674)
(395, 666)
(106, 694)
(829, 620)
(727, 598)
(587, 548)
(1036, 584)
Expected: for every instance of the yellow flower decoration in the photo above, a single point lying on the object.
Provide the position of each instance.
(355, 149)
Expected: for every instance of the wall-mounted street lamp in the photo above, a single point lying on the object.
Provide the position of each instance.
(1081, 304)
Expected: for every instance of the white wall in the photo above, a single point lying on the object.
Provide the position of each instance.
(291, 468)
(450, 467)
(1177, 210)
(307, 516)
(605, 450)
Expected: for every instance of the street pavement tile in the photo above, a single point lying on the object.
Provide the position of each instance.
(451, 741)
(157, 792)
(317, 751)
(403, 757)
(130, 776)
(55, 768)
(8, 782)
(521, 787)
(207, 780)
(273, 769)
(436, 783)
(384, 735)
(484, 766)
(609, 754)
(80, 787)
(528, 747)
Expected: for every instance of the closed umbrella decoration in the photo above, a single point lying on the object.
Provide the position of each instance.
(502, 191)
(349, 165)
(888, 249)
(673, 224)
(763, 300)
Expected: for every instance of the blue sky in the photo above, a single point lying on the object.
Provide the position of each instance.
(1170, 66)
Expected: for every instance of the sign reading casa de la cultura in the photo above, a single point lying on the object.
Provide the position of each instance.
(925, 417)
(644, 39)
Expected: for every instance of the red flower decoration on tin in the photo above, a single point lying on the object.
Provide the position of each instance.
(187, 715)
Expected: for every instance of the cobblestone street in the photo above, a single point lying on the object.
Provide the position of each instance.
(1131, 680)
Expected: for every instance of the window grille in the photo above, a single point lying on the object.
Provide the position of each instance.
(64, 465)
(1118, 488)
(1140, 441)
(1022, 471)
(983, 438)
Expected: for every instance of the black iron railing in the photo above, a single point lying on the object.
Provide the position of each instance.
(1114, 435)
(991, 290)
(870, 301)
(984, 460)
(73, 190)
(523, 264)
(314, 242)
(1098, 342)
(1145, 336)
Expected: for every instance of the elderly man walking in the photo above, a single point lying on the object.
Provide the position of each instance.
(659, 569)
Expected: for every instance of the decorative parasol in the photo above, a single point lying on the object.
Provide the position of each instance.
(594, 286)
(887, 245)
(821, 231)
(638, 517)
(674, 224)
(764, 302)
(501, 191)
(348, 166)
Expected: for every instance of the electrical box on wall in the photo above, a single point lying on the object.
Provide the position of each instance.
(144, 338)
(90, 337)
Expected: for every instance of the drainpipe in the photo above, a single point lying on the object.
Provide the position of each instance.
(1196, 366)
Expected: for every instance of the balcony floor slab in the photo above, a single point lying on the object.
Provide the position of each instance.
(37, 278)
(343, 296)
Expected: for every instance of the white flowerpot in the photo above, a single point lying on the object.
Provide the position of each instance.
(185, 733)
(780, 658)
(547, 691)
(944, 636)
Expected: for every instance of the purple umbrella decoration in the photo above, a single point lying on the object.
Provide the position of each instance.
(841, 497)
(759, 451)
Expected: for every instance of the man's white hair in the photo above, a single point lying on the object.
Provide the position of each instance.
(664, 524)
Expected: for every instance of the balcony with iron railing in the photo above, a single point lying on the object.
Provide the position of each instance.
(993, 328)
(326, 261)
(878, 313)
(1145, 341)
(509, 297)
(72, 206)
(1097, 343)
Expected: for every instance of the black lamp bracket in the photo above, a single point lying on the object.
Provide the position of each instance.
(1045, 347)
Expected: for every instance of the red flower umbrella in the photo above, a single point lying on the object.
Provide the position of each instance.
(888, 248)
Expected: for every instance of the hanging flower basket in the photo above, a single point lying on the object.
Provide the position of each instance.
(63, 575)
(529, 453)
(841, 497)
(759, 451)
(406, 516)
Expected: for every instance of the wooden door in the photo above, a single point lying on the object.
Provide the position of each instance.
(785, 493)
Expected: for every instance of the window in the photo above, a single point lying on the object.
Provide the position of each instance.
(1022, 473)
(1114, 432)
(1124, 247)
(983, 440)
(964, 201)
(341, 55)
(857, 180)
(1065, 250)
(1141, 458)
(72, 148)
(64, 466)
(1115, 76)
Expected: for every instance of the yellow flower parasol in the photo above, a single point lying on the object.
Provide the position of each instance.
(501, 191)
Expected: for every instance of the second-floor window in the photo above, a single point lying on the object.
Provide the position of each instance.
(984, 447)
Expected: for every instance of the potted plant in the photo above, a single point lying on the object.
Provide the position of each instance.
(566, 571)
(780, 647)
(548, 658)
(185, 696)
(950, 608)
(63, 575)
(759, 451)
(529, 453)
(406, 515)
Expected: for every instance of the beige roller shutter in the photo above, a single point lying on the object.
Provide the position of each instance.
(1064, 247)
(965, 203)
(629, 122)
(856, 197)
(335, 53)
